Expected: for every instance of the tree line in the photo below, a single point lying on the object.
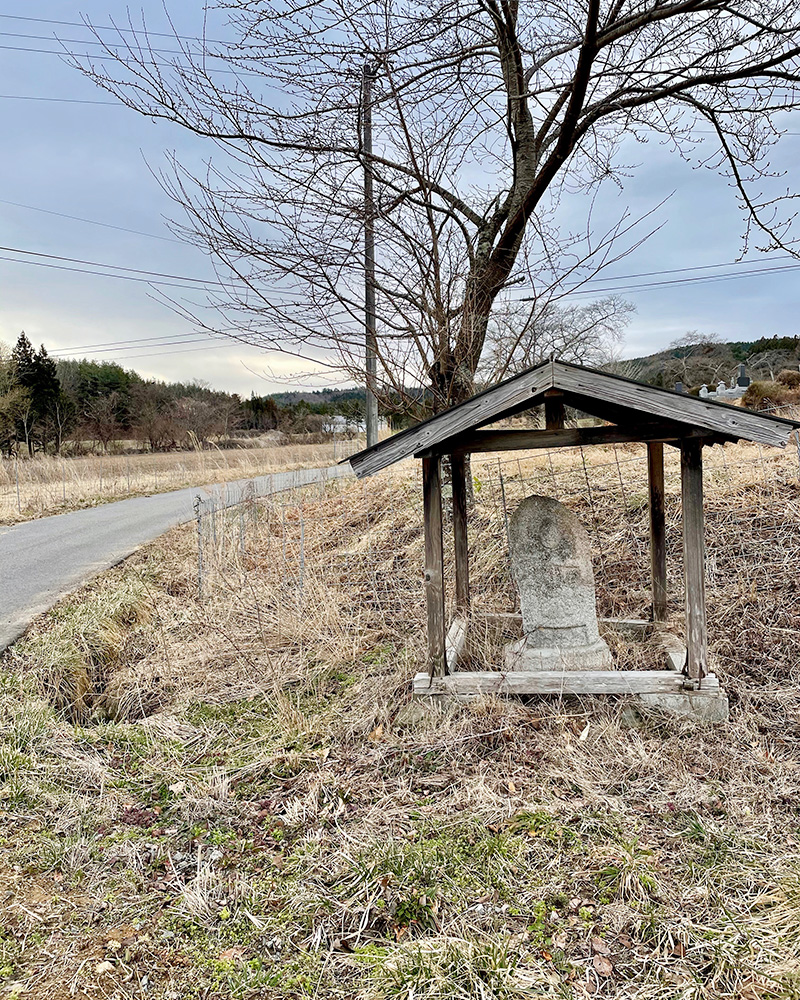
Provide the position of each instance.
(48, 406)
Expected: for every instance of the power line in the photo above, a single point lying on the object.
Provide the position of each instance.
(92, 222)
(56, 100)
(152, 277)
(127, 347)
(95, 41)
(134, 342)
(118, 104)
(113, 27)
(616, 277)
(116, 267)
(89, 56)
(703, 279)
(99, 274)
(154, 355)
(681, 270)
(189, 350)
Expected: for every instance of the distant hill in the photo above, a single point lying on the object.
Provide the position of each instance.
(692, 364)
(709, 361)
(318, 397)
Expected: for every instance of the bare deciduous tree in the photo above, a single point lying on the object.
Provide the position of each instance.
(522, 334)
(485, 112)
(101, 422)
(699, 358)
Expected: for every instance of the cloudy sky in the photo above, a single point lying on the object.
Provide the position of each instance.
(76, 181)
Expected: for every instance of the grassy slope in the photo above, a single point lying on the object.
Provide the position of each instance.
(268, 829)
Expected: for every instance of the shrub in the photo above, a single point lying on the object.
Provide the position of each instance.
(765, 395)
(789, 377)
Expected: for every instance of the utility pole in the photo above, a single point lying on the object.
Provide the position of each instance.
(370, 317)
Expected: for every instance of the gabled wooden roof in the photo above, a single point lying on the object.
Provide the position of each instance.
(610, 397)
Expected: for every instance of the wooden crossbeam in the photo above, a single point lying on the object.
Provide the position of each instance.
(569, 437)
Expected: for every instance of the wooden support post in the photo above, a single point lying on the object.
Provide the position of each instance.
(458, 468)
(694, 576)
(658, 537)
(434, 564)
(554, 410)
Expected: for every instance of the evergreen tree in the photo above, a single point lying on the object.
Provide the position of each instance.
(23, 362)
(35, 373)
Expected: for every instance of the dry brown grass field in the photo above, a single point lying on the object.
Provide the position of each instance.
(49, 484)
(207, 792)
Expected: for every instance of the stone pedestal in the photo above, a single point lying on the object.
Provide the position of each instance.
(552, 566)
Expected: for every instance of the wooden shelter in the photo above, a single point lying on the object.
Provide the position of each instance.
(633, 411)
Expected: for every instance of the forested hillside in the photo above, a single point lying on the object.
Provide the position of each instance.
(696, 359)
(47, 405)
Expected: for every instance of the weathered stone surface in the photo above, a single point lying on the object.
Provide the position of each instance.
(552, 566)
(704, 706)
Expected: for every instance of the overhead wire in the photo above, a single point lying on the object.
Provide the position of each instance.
(71, 351)
(112, 27)
(132, 273)
(62, 53)
(92, 222)
(698, 280)
(56, 100)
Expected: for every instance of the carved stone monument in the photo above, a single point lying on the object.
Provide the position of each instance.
(552, 566)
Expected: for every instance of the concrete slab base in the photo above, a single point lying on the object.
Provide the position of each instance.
(704, 706)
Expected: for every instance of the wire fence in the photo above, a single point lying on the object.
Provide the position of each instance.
(362, 542)
(48, 484)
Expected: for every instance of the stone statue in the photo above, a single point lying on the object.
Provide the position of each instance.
(552, 566)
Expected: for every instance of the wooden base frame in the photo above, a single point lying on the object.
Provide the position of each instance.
(467, 685)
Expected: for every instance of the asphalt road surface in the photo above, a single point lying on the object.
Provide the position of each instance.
(41, 561)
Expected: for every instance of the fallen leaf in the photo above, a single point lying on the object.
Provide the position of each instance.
(511, 786)
(102, 967)
(177, 787)
(376, 734)
(584, 733)
(599, 946)
(231, 954)
(602, 966)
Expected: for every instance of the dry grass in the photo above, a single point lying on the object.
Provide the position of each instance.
(50, 484)
(241, 814)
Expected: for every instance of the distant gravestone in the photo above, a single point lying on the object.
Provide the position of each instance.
(552, 566)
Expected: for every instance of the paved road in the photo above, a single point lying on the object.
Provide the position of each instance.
(42, 560)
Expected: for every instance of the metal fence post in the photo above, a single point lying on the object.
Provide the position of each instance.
(198, 503)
